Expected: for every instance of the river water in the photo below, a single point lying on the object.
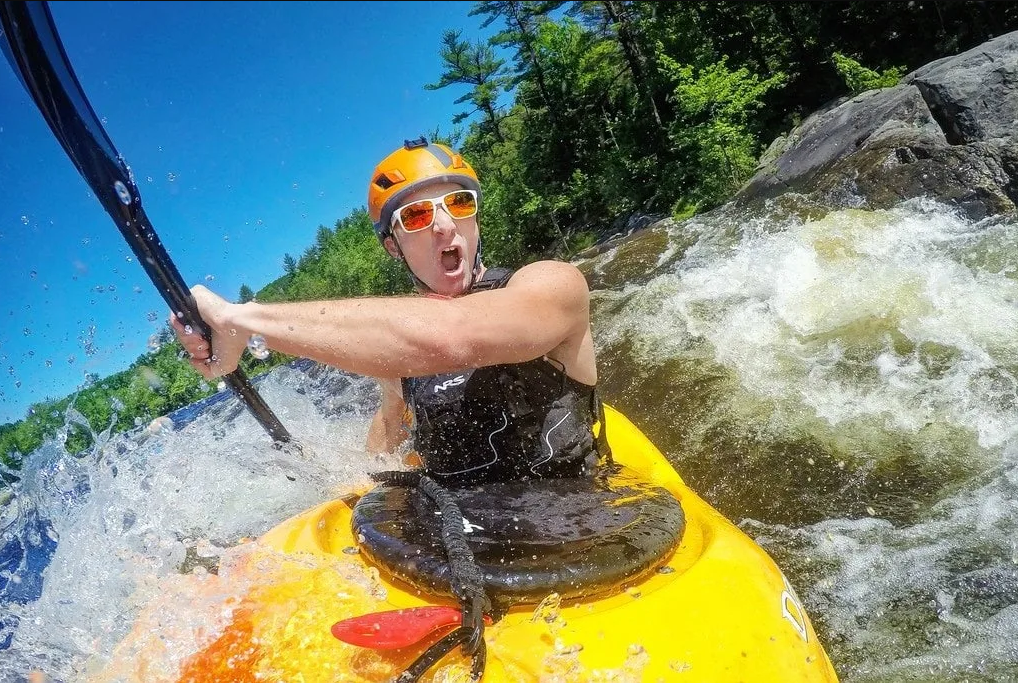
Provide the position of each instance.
(843, 385)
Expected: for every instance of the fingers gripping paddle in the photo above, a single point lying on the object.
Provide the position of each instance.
(37, 55)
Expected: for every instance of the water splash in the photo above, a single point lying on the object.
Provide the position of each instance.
(845, 384)
(133, 511)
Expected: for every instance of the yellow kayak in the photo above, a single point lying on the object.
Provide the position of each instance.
(714, 607)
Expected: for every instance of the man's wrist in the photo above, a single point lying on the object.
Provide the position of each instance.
(239, 319)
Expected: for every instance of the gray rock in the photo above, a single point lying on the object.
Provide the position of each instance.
(947, 131)
(974, 96)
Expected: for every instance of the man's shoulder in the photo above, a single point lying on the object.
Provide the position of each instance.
(560, 275)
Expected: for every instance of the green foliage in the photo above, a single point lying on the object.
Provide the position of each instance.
(345, 262)
(860, 79)
(714, 126)
(289, 264)
(156, 383)
(474, 65)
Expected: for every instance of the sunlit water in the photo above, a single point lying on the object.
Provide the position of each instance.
(842, 385)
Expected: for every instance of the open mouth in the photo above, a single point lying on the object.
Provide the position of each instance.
(451, 260)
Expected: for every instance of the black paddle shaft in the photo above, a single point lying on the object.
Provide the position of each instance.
(34, 49)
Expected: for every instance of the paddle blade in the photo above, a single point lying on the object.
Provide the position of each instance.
(396, 628)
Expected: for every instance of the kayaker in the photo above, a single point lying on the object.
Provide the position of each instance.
(490, 371)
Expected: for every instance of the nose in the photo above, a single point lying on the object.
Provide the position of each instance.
(443, 220)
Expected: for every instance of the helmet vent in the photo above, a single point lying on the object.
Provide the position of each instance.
(383, 182)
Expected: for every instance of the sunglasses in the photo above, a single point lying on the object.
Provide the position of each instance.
(420, 215)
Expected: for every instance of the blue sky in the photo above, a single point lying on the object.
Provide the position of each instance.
(247, 125)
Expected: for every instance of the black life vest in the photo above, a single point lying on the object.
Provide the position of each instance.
(506, 422)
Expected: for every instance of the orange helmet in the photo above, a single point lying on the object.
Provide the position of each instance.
(416, 164)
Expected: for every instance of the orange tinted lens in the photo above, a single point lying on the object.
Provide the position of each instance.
(417, 216)
(460, 204)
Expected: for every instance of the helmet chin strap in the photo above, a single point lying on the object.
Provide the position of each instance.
(419, 283)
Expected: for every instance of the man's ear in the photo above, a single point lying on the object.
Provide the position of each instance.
(390, 246)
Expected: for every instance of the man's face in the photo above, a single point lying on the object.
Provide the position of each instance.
(442, 254)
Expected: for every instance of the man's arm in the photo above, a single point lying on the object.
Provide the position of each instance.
(387, 432)
(545, 305)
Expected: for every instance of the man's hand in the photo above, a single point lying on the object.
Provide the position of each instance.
(228, 342)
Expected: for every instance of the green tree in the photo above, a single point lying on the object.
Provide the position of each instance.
(289, 264)
(474, 65)
(246, 294)
(715, 125)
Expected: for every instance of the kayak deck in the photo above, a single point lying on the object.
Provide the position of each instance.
(718, 608)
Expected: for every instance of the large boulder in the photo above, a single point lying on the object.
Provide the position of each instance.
(947, 130)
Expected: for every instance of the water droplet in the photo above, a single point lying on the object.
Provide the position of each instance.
(188, 329)
(295, 186)
(33, 274)
(49, 363)
(666, 570)
(153, 343)
(17, 384)
(26, 331)
(171, 177)
(152, 316)
(563, 649)
(70, 360)
(85, 241)
(129, 259)
(351, 550)
(210, 277)
(123, 193)
(24, 219)
(148, 178)
(870, 511)
(548, 610)
(256, 344)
